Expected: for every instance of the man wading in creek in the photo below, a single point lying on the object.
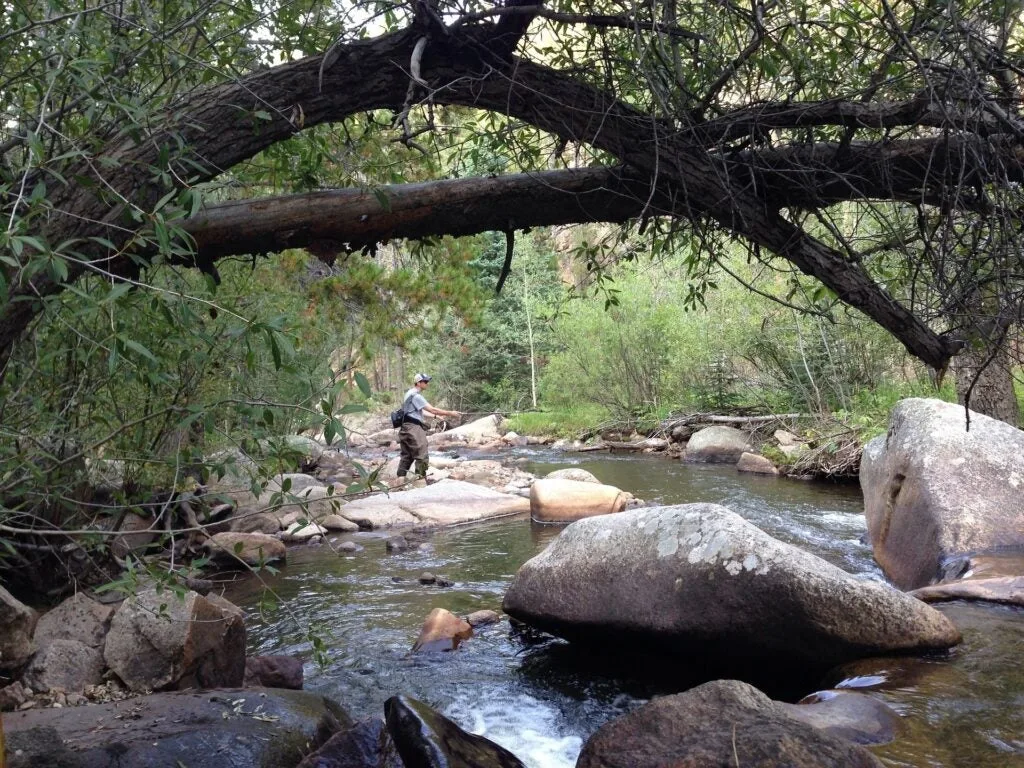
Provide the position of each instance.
(411, 435)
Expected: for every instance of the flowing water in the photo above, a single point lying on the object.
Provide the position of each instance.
(542, 698)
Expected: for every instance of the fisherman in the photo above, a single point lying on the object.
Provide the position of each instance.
(412, 436)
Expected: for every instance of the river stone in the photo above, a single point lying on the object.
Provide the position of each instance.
(77, 618)
(934, 490)
(442, 631)
(562, 501)
(65, 664)
(270, 728)
(273, 672)
(427, 739)
(245, 548)
(477, 432)
(717, 445)
(302, 530)
(719, 724)
(449, 502)
(298, 482)
(17, 623)
(136, 533)
(159, 641)
(856, 717)
(756, 464)
(367, 744)
(572, 473)
(698, 581)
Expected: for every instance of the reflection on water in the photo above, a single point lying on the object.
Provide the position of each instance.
(541, 698)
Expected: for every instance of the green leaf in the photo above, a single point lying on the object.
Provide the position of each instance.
(363, 383)
(139, 349)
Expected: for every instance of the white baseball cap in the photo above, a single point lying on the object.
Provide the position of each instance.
(421, 377)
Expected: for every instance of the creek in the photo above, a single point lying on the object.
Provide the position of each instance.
(542, 698)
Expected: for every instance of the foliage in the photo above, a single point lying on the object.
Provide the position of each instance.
(568, 422)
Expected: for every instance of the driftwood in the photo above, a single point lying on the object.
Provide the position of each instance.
(700, 418)
(658, 444)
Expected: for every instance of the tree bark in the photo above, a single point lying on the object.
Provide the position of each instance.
(212, 130)
(984, 383)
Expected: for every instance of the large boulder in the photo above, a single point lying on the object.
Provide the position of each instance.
(718, 724)
(158, 640)
(699, 582)
(210, 729)
(17, 623)
(563, 501)
(485, 430)
(448, 502)
(717, 445)
(934, 490)
(78, 618)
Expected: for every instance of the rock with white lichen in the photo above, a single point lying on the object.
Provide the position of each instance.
(699, 582)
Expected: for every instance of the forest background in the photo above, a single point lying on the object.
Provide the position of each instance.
(128, 348)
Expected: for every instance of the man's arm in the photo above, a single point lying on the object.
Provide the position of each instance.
(435, 411)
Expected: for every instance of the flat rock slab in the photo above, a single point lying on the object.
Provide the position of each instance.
(209, 729)
(1003, 589)
(449, 502)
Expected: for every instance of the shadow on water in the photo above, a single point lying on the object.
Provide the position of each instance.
(541, 698)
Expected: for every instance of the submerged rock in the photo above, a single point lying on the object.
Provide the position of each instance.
(427, 739)
(701, 584)
(934, 489)
(718, 724)
(855, 717)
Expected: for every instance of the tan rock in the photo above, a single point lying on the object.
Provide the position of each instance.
(572, 473)
(249, 548)
(338, 523)
(442, 631)
(562, 501)
(717, 445)
(303, 531)
(756, 464)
